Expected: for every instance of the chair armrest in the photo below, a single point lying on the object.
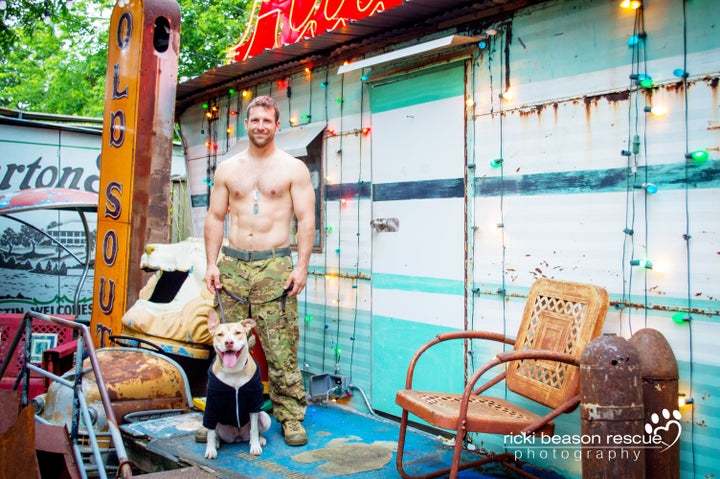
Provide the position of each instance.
(515, 356)
(538, 354)
(442, 337)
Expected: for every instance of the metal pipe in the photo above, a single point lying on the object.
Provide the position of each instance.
(84, 339)
(365, 398)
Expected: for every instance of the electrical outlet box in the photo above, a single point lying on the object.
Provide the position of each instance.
(323, 386)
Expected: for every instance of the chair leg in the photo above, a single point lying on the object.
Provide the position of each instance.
(401, 449)
(457, 451)
(456, 466)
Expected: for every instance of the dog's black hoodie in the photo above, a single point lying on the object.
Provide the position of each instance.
(229, 406)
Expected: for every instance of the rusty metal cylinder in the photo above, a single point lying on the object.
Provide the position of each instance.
(611, 410)
(659, 372)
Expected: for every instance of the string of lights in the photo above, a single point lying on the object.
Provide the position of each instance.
(644, 83)
(358, 238)
(686, 235)
(337, 350)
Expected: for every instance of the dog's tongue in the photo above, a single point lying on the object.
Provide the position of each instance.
(230, 358)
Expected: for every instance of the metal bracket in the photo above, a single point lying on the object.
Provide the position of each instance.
(389, 225)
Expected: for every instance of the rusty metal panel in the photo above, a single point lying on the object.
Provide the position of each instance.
(139, 380)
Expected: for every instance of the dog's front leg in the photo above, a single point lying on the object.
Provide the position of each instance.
(213, 442)
(255, 443)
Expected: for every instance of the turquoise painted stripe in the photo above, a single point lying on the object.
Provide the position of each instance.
(394, 341)
(417, 283)
(434, 85)
(667, 177)
(487, 290)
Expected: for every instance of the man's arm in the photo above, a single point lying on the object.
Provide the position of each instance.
(303, 198)
(214, 230)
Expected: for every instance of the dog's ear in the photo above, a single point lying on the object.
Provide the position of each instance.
(248, 324)
(213, 320)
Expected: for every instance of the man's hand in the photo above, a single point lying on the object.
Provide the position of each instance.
(212, 278)
(296, 282)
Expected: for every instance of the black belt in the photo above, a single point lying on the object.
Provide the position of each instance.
(244, 255)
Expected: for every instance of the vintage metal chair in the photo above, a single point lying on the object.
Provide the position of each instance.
(559, 319)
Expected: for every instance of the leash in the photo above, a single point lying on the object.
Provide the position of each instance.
(282, 298)
(220, 306)
(233, 296)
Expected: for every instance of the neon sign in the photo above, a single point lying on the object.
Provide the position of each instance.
(281, 22)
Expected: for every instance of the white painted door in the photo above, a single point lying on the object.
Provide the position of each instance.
(418, 150)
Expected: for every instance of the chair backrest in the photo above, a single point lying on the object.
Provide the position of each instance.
(559, 316)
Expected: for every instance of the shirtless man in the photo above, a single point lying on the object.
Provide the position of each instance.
(262, 188)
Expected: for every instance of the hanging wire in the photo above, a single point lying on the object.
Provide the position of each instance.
(336, 349)
(502, 290)
(325, 243)
(640, 16)
(686, 235)
(501, 225)
(631, 153)
(305, 290)
(355, 284)
(473, 160)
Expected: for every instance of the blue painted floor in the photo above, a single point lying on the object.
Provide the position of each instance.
(332, 430)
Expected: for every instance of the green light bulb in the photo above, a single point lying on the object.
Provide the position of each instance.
(699, 155)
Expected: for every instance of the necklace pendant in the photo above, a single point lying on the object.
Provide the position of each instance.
(256, 197)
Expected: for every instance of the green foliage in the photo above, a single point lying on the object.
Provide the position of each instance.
(208, 30)
(57, 67)
(60, 67)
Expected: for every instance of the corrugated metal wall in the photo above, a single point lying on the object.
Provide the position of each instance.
(568, 200)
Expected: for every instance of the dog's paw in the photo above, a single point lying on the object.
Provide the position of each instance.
(255, 450)
(210, 452)
(256, 446)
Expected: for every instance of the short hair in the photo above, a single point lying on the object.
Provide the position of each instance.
(264, 102)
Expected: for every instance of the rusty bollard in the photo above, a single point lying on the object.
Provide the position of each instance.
(611, 410)
(659, 372)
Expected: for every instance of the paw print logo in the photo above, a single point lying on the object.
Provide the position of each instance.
(671, 429)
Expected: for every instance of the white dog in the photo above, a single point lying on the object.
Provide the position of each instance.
(235, 390)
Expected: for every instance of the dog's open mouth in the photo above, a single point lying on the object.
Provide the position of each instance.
(230, 357)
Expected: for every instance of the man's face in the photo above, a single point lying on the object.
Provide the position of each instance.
(261, 126)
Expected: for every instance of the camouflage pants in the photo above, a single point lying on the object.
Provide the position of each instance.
(261, 283)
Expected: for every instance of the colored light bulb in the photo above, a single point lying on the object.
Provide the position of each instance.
(698, 155)
(496, 163)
